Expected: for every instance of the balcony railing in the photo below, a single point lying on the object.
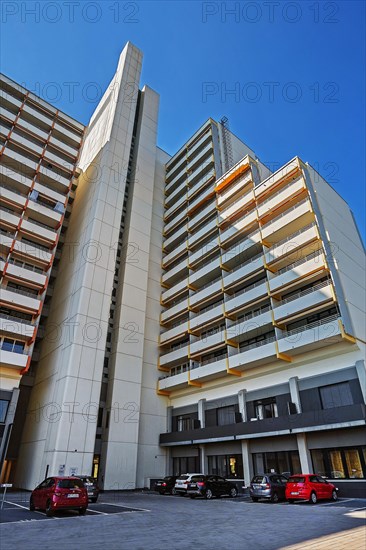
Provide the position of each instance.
(248, 288)
(303, 260)
(303, 328)
(213, 359)
(277, 193)
(16, 319)
(292, 236)
(252, 315)
(305, 292)
(242, 242)
(22, 292)
(273, 220)
(257, 344)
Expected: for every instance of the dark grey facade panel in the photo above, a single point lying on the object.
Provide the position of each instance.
(279, 443)
(337, 438)
(263, 393)
(341, 375)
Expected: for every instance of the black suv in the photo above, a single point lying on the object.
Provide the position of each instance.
(91, 486)
(166, 485)
(210, 486)
(268, 486)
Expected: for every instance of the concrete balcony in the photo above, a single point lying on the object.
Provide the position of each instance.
(35, 116)
(205, 318)
(23, 274)
(69, 150)
(176, 236)
(32, 227)
(202, 233)
(7, 99)
(33, 251)
(174, 255)
(175, 357)
(68, 135)
(290, 246)
(177, 204)
(238, 226)
(68, 167)
(14, 298)
(200, 177)
(6, 113)
(174, 333)
(12, 198)
(29, 127)
(254, 355)
(175, 273)
(50, 193)
(202, 199)
(206, 273)
(289, 170)
(179, 180)
(244, 297)
(176, 382)
(289, 221)
(195, 149)
(6, 239)
(10, 219)
(14, 180)
(242, 249)
(248, 327)
(235, 188)
(199, 157)
(23, 142)
(43, 214)
(211, 371)
(178, 218)
(19, 162)
(207, 343)
(282, 196)
(211, 290)
(229, 177)
(304, 301)
(313, 336)
(56, 181)
(16, 326)
(13, 360)
(244, 270)
(195, 220)
(174, 291)
(236, 206)
(298, 270)
(202, 253)
(174, 310)
(176, 193)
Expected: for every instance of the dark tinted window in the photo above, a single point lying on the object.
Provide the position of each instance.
(70, 484)
(336, 395)
(259, 479)
(183, 477)
(313, 479)
(296, 479)
(197, 478)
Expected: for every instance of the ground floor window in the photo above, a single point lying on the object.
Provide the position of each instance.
(344, 463)
(281, 462)
(228, 466)
(185, 464)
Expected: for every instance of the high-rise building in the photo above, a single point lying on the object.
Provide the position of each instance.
(197, 312)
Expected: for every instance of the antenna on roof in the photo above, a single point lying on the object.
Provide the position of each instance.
(226, 143)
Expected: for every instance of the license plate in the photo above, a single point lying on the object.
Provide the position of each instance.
(294, 493)
(193, 486)
(72, 496)
(158, 484)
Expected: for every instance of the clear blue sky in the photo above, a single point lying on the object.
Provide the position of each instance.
(296, 69)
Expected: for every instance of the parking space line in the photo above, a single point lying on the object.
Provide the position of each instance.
(335, 501)
(123, 506)
(96, 512)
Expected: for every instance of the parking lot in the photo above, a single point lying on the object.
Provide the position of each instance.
(146, 520)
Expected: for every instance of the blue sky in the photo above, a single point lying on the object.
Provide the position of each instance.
(295, 70)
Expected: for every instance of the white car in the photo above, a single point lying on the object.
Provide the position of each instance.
(181, 483)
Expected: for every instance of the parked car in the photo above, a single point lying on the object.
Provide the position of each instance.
(91, 486)
(181, 483)
(166, 485)
(210, 486)
(268, 486)
(60, 493)
(310, 487)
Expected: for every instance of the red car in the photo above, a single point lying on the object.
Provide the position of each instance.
(309, 487)
(60, 493)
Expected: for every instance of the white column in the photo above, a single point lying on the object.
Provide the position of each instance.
(305, 457)
(201, 412)
(247, 463)
(242, 398)
(203, 459)
(361, 373)
(169, 419)
(294, 391)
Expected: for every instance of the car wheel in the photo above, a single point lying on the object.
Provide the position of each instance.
(313, 498)
(93, 500)
(49, 511)
(255, 499)
(334, 495)
(181, 494)
(31, 504)
(82, 511)
(173, 491)
(274, 498)
(208, 494)
(291, 501)
(233, 492)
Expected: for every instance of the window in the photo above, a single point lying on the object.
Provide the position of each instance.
(4, 404)
(266, 408)
(340, 463)
(12, 345)
(227, 466)
(226, 415)
(184, 422)
(282, 462)
(182, 465)
(336, 395)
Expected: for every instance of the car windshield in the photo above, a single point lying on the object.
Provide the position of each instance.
(296, 479)
(259, 479)
(70, 484)
(183, 477)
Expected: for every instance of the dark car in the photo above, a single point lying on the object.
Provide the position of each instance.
(166, 485)
(92, 487)
(59, 493)
(268, 486)
(210, 486)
